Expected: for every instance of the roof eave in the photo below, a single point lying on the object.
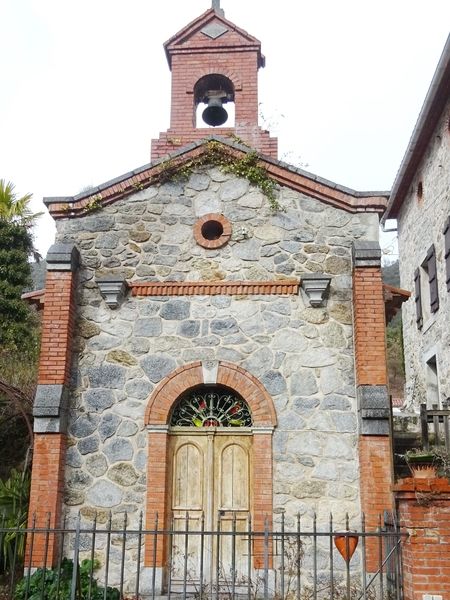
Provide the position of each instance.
(434, 104)
(284, 174)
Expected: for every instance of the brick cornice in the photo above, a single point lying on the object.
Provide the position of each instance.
(213, 288)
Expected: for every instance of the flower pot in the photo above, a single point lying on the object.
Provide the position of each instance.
(346, 542)
(422, 470)
(422, 466)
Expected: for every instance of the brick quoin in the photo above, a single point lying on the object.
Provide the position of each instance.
(46, 496)
(370, 326)
(47, 478)
(370, 362)
(57, 328)
(424, 513)
(158, 415)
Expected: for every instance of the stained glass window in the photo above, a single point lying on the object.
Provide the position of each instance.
(211, 406)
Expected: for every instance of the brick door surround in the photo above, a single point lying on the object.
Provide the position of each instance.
(157, 420)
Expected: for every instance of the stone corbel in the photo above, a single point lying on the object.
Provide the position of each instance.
(113, 289)
(50, 408)
(373, 408)
(366, 253)
(315, 286)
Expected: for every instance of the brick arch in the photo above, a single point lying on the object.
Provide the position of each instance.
(212, 69)
(170, 388)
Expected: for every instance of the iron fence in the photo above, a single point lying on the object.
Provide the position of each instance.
(122, 560)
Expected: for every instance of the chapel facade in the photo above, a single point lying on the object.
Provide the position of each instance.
(214, 329)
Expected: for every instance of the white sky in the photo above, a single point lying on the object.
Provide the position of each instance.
(86, 85)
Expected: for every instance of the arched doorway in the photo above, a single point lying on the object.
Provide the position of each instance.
(213, 461)
(210, 450)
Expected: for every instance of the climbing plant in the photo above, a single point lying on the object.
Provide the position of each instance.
(248, 166)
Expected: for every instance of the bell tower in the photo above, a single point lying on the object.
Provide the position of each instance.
(214, 66)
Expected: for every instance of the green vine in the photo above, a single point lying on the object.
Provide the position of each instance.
(248, 167)
(94, 203)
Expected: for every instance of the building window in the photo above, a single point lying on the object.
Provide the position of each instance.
(426, 288)
(420, 192)
(418, 298)
(432, 382)
(212, 231)
(447, 252)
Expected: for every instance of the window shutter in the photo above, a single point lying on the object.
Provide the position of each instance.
(432, 278)
(447, 252)
(418, 299)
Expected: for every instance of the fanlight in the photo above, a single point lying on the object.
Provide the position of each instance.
(211, 407)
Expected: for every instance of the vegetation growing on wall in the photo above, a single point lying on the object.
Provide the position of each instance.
(247, 166)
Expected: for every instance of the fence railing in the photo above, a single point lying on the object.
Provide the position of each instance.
(440, 428)
(121, 560)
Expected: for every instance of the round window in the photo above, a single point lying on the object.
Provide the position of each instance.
(212, 231)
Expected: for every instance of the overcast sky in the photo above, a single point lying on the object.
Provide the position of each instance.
(86, 86)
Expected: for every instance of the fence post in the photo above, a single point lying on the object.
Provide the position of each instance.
(424, 426)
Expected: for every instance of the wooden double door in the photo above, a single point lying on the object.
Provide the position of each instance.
(210, 492)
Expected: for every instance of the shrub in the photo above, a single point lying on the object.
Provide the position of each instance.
(14, 494)
(56, 584)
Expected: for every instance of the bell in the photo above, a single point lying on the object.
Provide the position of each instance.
(214, 114)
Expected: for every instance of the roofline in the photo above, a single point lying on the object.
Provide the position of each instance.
(36, 297)
(211, 12)
(397, 291)
(285, 174)
(429, 115)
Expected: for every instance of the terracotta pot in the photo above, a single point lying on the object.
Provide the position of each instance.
(422, 466)
(419, 471)
(346, 543)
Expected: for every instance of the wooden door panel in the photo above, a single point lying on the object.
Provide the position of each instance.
(188, 477)
(188, 507)
(186, 551)
(233, 478)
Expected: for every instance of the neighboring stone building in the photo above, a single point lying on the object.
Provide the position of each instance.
(202, 333)
(420, 201)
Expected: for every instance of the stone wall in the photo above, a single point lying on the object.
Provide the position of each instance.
(302, 355)
(420, 224)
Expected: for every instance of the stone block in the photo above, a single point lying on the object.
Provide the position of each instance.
(63, 257)
(49, 400)
(373, 408)
(366, 253)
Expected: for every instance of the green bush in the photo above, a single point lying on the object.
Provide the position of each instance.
(56, 584)
(14, 494)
